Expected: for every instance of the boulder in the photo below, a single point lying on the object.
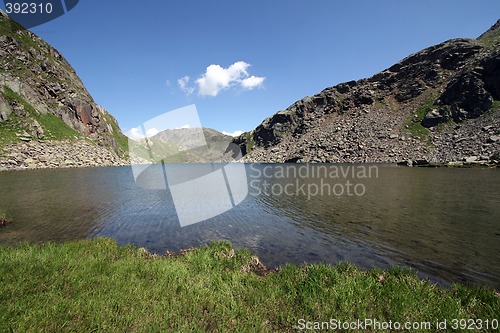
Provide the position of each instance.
(420, 162)
(37, 130)
(405, 163)
(5, 110)
(467, 93)
(495, 157)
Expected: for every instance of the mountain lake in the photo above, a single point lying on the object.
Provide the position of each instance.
(442, 222)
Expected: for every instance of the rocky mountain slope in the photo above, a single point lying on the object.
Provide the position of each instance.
(439, 105)
(41, 100)
(182, 146)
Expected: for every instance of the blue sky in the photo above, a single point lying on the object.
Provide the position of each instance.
(245, 60)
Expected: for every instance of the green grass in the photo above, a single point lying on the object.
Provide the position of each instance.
(11, 97)
(56, 129)
(3, 216)
(413, 123)
(250, 141)
(495, 107)
(120, 138)
(379, 105)
(490, 38)
(95, 286)
(9, 129)
(15, 30)
(14, 125)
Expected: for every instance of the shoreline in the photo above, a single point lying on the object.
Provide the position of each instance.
(6, 166)
(35, 155)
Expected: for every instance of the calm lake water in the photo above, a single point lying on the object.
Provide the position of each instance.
(444, 223)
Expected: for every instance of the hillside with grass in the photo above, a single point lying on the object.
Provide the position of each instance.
(42, 99)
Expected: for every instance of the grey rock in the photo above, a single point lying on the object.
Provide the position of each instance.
(495, 156)
(466, 97)
(37, 130)
(3, 116)
(5, 110)
(54, 154)
(407, 163)
(420, 162)
(494, 138)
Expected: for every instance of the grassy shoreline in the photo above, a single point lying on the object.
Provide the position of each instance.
(94, 286)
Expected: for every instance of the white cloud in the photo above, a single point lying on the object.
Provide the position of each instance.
(183, 84)
(217, 78)
(152, 132)
(184, 126)
(136, 134)
(252, 82)
(183, 81)
(235, 133)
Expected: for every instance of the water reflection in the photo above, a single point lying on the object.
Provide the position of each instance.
(444, 222)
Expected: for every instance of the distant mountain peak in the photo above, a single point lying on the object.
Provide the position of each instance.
(183, 145)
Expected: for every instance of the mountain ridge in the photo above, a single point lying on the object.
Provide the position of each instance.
(183, 145)
(439, 105)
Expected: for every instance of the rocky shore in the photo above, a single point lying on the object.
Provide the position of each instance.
(56, 154)
(66, 154)
(341, 139)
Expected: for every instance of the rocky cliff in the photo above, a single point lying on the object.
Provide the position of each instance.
(441, 104)
(42, 99)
